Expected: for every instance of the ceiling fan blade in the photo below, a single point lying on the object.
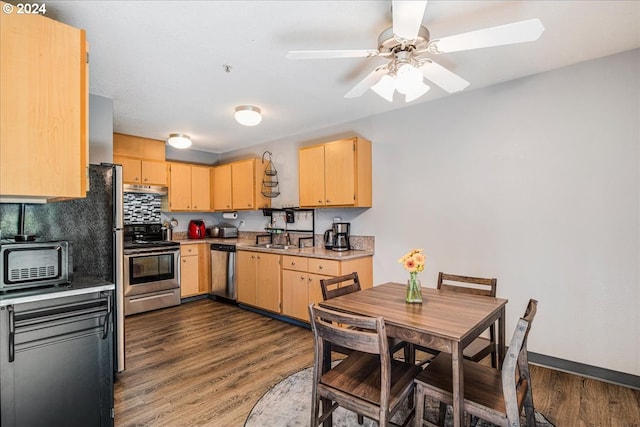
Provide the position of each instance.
(371, 79)
(516, 32)
(407, 18)
(444, 78)
(324, 54)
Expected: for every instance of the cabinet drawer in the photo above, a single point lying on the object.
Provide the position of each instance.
(188, 250)
(324, 266)
(294, 263)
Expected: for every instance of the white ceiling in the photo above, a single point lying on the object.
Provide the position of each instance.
(162, 61)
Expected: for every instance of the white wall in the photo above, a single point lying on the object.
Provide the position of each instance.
(534, 181)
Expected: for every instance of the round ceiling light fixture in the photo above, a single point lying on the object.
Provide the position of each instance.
(248, 115)
(179, 140)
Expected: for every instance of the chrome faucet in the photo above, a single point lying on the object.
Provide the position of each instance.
(287, 239)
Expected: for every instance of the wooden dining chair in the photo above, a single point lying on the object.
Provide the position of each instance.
(368, 381)
(492, 395)
(481, 347)
(342, 285)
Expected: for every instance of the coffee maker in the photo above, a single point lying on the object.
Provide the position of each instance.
(341, 236)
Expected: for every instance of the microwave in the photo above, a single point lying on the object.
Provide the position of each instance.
(33, 264)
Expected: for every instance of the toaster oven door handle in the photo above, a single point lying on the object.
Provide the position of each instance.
(105, 326)
(12, 334)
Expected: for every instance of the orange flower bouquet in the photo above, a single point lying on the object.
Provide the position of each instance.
(413, 262)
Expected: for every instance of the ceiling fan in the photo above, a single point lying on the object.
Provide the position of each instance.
(408, 46)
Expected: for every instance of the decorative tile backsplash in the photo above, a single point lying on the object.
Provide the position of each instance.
(142, 208)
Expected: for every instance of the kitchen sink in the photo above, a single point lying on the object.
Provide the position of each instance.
(274, 246)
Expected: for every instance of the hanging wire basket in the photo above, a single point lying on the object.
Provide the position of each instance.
(270, 179)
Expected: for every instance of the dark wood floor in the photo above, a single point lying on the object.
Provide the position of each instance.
(205, 363)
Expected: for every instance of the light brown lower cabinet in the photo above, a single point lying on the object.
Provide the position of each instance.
(258, 280)
(301, 280)
(194, 269)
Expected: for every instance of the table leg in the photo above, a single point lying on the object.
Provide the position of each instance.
(502, 345)
(458, 384)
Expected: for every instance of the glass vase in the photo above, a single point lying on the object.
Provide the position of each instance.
(414, 294)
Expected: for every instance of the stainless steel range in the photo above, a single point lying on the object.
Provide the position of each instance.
(151, 269)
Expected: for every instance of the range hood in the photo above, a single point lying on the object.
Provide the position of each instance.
(145, 189)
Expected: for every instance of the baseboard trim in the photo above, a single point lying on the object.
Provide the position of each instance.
(588, 371)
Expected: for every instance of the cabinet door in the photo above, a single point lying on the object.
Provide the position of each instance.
(243, 184)
(131, 169)
(246, 277)
(314, 291)
(311, 176)
(295, 294)
(221, 188)
(180, 188)
(200, 189)
(153, 172)
(340, 173)
(189, 275)
(44, 104)
(268, 282)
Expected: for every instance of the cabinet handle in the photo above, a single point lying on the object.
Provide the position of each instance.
(319, 201)
(319, 267)
(328, 201)
(195, 207)
(184, 260)
(309, 279)
(12, 334)
(293, 263)
(301, 277)
(146, 179)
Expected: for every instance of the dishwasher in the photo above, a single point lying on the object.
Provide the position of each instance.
(223, 271)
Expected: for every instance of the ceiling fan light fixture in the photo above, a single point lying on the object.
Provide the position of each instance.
(179, 140)
(248, 115)
(408, 78)
(385, 87)
(416, 92)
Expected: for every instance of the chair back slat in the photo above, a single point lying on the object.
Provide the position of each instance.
(337, 286)
(467, 284)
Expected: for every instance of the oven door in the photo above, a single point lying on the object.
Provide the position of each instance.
(152, 271)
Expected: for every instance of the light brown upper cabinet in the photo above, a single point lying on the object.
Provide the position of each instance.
(144, 172)
(142, 159)
(189, 187)
(44, 109)
(238, 185)
(221, 187)
(335, 173)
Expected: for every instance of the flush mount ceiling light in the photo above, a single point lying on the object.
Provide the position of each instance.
(248, 115)
(179, 140)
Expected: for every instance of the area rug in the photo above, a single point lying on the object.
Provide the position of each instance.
(288, 404)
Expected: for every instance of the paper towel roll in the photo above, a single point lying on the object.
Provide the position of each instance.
(230, 215)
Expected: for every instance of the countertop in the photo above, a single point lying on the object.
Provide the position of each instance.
(311, 252)
(80, 284)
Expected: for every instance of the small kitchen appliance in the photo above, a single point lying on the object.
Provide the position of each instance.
(33, 264)
(329, 236)
(227, 231)
(197, 229)
(341, 236)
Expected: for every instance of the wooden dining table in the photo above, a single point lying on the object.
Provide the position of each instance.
(445, 321)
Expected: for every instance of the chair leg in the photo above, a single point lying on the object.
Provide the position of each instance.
(419, 414)
(529, 410)
(360, 419)
(409, 353)
(442, 414)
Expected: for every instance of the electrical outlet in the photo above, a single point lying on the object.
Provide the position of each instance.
(337, 219)
(241, 223)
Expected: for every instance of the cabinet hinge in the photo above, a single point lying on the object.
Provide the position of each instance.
(87, 57)
(113, 413)
(354, 146)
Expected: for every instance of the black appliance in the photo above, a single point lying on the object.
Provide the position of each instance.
(56, 361)
(31, 264)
